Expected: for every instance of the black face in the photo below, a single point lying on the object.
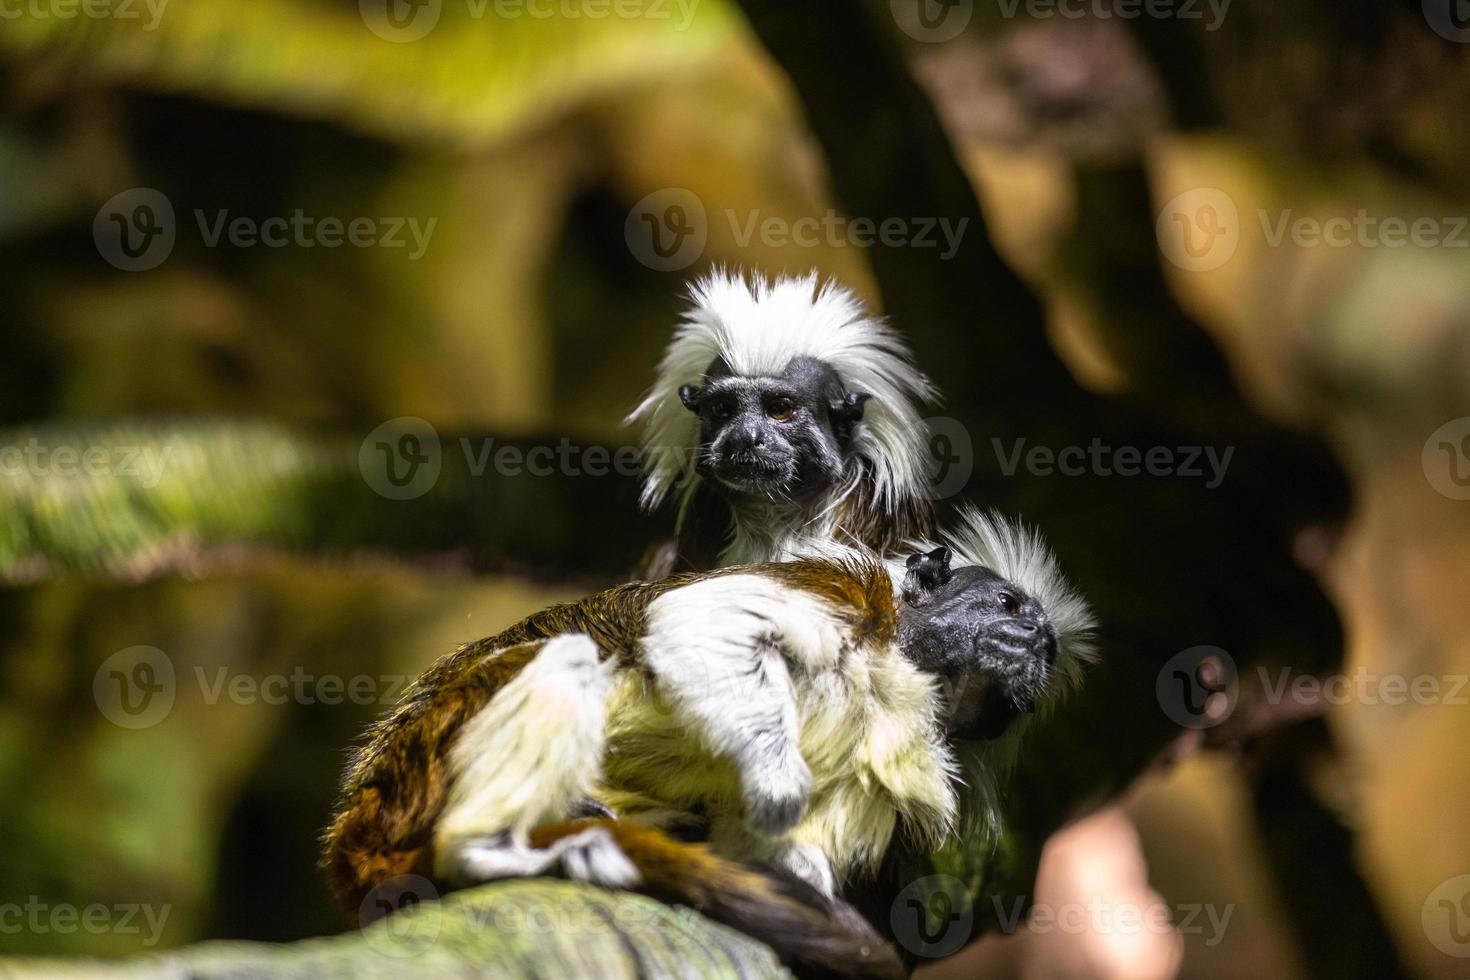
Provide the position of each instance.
(777, 438)
(988, 639)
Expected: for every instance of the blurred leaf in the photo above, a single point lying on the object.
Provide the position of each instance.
(484, 70)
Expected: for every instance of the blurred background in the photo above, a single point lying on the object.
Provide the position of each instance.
(294, 289)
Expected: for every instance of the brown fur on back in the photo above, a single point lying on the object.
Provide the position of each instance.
(396, 782)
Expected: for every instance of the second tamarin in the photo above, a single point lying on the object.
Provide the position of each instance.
(795, 715)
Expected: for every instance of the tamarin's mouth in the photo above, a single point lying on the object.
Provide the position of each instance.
(1008, 678)
(748, 471)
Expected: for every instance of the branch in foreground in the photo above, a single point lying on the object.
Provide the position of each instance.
(534, 927)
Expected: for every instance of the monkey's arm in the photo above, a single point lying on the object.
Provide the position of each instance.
(715, 650)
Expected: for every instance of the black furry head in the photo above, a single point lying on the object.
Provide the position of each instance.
(989, 640)
(786, 436)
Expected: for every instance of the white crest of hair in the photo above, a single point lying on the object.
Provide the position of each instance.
(533, 749)
(758, 325)
(1019, 554)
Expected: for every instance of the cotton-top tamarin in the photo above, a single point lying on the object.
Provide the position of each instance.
(789, 715)
(784, 415)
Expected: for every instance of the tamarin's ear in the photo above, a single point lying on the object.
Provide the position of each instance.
(689, 395)
(927, 571)
(848, 411)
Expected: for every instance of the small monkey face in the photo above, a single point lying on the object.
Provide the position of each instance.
(783, 437)
(990, 641)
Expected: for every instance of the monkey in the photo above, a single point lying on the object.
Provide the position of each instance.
(782, 415)
(800, 714)
(783, 418)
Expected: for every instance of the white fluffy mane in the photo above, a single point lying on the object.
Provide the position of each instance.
(758, 325)
(1017, 553)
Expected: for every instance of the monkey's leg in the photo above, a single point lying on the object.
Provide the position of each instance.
(523, 760)
(819, 936)
(712, 650)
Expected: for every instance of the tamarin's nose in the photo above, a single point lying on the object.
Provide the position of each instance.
(754, 436)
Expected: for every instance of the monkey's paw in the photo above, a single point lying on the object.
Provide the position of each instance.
(591, 855)
(776, 795)
(594, 856)
(806, 863)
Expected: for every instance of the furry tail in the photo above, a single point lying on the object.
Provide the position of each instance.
(361, 855)
(813, 936)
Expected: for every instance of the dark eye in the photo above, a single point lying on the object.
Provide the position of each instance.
(780, 409)
(1010, 603)
(720, 410)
